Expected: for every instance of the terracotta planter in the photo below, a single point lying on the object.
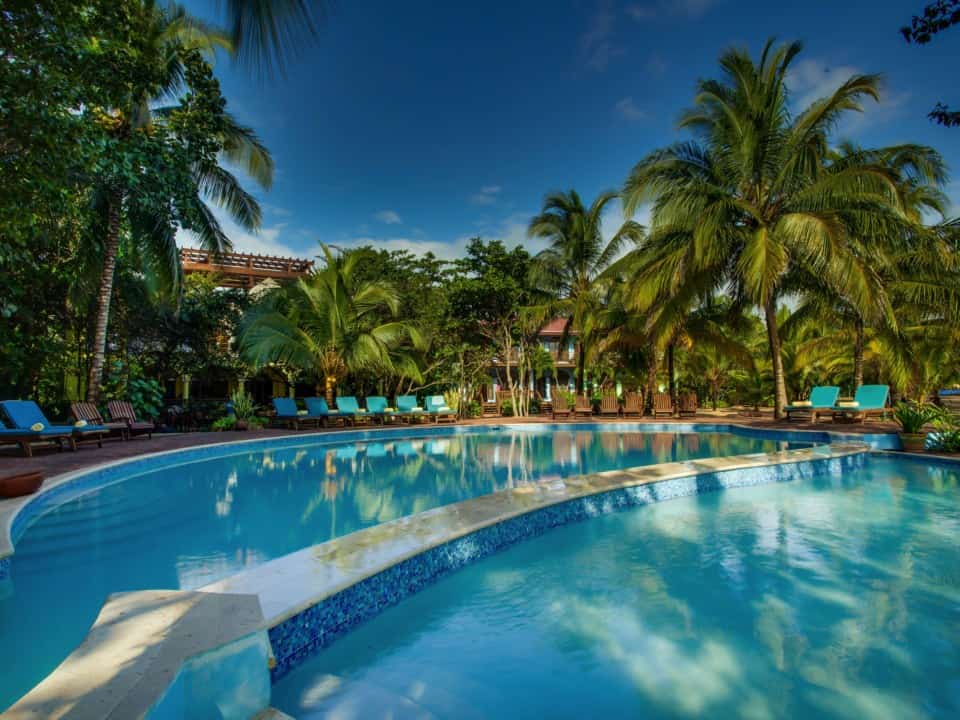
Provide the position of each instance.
(24, 484)
(241, 425)
(913, 442)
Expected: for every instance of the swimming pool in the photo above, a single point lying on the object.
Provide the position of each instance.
(164, 523)
(834, 596)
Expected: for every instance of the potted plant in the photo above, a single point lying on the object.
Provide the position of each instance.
(244, 410)
(912, 417)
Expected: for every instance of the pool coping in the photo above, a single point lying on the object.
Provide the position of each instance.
(12, 510)
(290, 590)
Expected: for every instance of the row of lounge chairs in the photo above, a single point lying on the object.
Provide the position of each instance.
(632, 405)
(26, 425)
(348, 411)
(868, 401)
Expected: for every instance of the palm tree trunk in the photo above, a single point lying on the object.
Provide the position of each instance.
(858, 355)
(651, 378)
(328, 383)
(581, 367)
(671, 377)
(776, 358)
(111, 246)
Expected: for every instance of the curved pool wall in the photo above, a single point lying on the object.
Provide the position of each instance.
(64, 488)
(319, 623)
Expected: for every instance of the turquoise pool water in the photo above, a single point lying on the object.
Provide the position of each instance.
(188, 525)
(836, 597)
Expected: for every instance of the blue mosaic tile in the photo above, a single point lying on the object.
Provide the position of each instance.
(296, 638)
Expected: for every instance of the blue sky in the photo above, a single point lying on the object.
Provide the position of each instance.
(421, 124)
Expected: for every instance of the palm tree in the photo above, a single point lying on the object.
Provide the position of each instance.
(755, 194)
(571, 266)
(328, 324)
(264, 31)
(172, 39)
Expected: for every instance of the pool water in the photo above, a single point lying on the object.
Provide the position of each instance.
(834, 597)
(186, 526)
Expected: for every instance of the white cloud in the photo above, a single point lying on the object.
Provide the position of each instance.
(597, 47)
(267, 242)
(487, 195)
(389, 217)
(629, 109)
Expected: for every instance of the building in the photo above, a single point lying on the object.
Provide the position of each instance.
(564, 355)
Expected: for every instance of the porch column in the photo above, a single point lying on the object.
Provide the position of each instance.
(546, 380)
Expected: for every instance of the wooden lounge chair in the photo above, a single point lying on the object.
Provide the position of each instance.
(437, 409)
(88, 412)
(583, 406)
(317, 408)
(409, 409)
(377, 407)
(560, 409)
(24, 415)
(287, 415)
(122, 411)
(662, 404)
(609, 406)
(350, 410)
(632, 404)
(687, 404)
(868, 401)
(821, 402)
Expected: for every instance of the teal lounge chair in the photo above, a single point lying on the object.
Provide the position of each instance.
(287, 415)
(871, 401)
(822, 400)
(350, 410)
(438, 410)
(24, 414)
(407, 407)
(317, 408)
(377, 406)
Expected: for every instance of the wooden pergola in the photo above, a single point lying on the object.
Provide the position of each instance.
(242, 270)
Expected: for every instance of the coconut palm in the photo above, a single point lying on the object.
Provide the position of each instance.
(755, 195)
(570, 267)
(267, 31)
(171, 38)
(328, 324)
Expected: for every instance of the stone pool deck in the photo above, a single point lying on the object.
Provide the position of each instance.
(51, 463)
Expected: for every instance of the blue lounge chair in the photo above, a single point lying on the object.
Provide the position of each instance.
(871, 401)
(407, 407)
(438, 410)
(822, 400)
(24, 414)
(317, 408)
(377, 406)
(350, 409)
(287, 415)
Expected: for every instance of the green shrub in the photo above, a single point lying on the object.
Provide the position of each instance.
(913, 416)
(243, 406)
(227, 422)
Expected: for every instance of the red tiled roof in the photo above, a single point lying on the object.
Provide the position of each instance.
(555, 327)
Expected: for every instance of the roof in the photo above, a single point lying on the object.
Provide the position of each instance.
(555, 328)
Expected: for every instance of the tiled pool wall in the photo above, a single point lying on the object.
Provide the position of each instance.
(294, 639)
(84, 481)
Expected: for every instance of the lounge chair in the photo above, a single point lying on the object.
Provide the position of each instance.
(350, 410)
(407, 407)
(437, 409)
(122, 411)
(583, 406)
(24, 415)
(317, 408)
(632, 404)
(868, 401)
(821, 402)
(88, 413)
(609, 405)
(288, 416)
(687, 404)
(377, 406)
(662, 404)
(560, 408)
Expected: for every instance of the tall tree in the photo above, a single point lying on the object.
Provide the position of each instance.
(160, 164)
(753, 195)
(935, 18)
(328, 324)
(569, 269)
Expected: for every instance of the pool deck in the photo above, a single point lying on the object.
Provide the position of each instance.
(51, 463)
